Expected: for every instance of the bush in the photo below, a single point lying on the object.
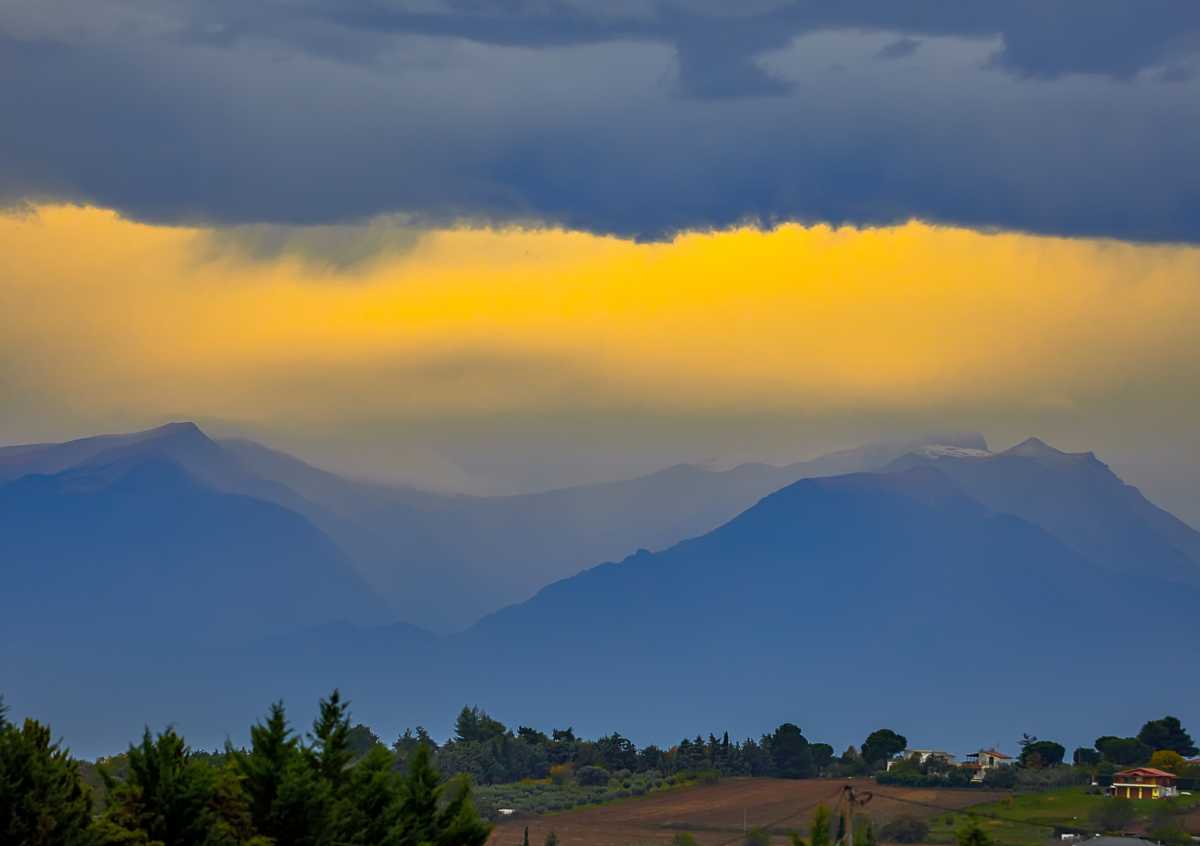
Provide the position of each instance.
(708, 776)
(1113, 815)
(684, 838)
(1005, 777)
(757, 837)
(905, 830)
(592, 776)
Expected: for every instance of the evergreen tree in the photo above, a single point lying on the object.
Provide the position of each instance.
(173, 798)
(330, 751)
(371, 813)
(288, 800)
(456, 823)
(43, 802)
(790, 753)
(1167, 733)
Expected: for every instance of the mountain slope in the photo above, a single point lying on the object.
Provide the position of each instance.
(1079, 500)
(129, 543)
(843, 603)
(444, 561)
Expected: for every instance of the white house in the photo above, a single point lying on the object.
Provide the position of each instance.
(987, 759)
(922, 755)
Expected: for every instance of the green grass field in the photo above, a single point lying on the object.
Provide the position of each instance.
(1028, 819)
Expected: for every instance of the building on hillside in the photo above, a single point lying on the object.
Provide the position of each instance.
(922, 755)
(1143, 783)
(984, 760)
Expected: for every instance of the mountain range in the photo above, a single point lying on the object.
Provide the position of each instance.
(958, 593)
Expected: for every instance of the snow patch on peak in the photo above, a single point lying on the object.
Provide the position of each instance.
(945, 451)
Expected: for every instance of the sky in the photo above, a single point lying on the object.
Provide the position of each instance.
(503, 246)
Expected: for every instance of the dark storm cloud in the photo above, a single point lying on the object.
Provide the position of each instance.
(627, 116)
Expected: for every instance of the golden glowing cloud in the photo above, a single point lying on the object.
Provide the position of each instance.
(105, 314)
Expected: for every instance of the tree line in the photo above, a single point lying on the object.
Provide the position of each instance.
(284, 788)
(1163, 744)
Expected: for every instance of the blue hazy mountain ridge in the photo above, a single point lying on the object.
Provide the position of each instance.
(843, 603)
(129, 542)
(1078, 499)
(443, 561)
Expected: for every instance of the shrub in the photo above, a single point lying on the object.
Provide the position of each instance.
(684, 838)
(757, 837)
(708, 776)
(561, 773)
(905, 830)
(592, 776)
(1112, 815)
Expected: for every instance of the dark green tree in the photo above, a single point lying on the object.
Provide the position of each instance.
(971, 833)
(437, 815)
(474, 725)
(330, 750)
(791, 756)
(1167, 733)
(1123, 751)
(43, 801)
(170, 796)
(371, 812)
(289, 802)
(1085, 757)
(822, 755)
(1041, 753)
(881, 745)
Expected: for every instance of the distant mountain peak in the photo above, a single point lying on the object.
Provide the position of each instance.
(1039, 450)
(1034, 448)
(949, 451)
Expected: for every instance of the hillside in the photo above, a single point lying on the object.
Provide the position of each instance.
(443, 561)
(1077, 498)
(719, 814)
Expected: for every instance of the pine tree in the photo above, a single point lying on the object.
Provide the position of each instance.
(441, 816)
(371, 813)
(331, 751)
(43, 801)
(289, 801)
(172, 797)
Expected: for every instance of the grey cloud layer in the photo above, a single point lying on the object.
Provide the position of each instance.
(639, 118)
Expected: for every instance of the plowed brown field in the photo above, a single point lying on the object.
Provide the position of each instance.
(716, 814)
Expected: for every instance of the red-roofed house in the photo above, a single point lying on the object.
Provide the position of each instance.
(986, 759)
(1143, 783)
